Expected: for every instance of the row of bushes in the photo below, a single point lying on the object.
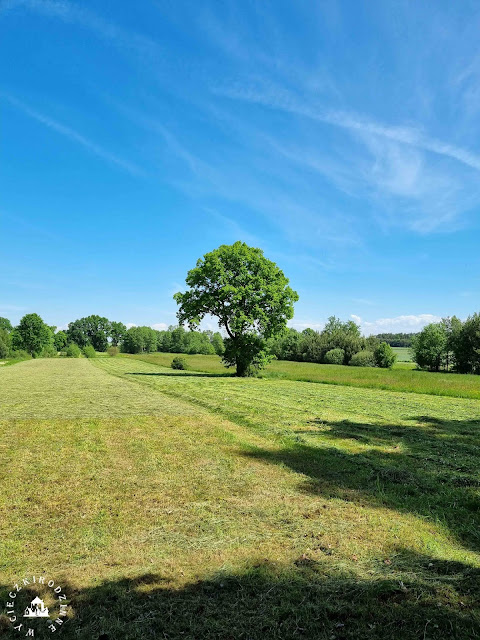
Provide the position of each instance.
(382, 356)
(72, 350)
(172, 340)
(100, 333)
(338, 343)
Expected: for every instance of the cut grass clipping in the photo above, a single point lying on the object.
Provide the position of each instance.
(177, 505)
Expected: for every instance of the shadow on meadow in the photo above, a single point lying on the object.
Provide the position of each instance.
(431, 468)
(182, 374)
(438, 600)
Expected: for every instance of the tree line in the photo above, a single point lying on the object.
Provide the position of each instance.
(397, 339)
(338, 343)
(449, 345)
(34, 338)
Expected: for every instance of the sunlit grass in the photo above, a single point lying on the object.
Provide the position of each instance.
(190, 506)
(403, 377)
(70, 388)
(403, 354)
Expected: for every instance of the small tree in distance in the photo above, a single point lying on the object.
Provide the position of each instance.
(428, 347)
(32, 334)
(385, 356)
(248, 294)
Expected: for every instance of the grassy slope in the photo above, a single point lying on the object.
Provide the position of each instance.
(240, 508)
(401, 378)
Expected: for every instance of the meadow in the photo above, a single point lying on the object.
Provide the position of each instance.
(403, 377)
(198, 505)
(403, 354)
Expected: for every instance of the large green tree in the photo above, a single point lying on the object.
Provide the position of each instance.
(139, 340)
(33, 334)
(429, 347)
(248, 294)
(94, 330)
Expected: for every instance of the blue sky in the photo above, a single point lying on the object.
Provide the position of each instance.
(343, 138)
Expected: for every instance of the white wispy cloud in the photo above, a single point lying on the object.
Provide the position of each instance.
(73, 135)
(281, 99)
(34, 228)
(398, 324)
(412, 179)
(265, 187)
(234, 228)
(76, 14)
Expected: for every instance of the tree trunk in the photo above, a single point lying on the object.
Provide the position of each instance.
(242, 368)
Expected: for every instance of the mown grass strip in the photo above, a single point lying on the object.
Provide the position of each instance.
(403, 378)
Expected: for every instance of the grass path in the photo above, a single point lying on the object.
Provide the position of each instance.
(70, 388)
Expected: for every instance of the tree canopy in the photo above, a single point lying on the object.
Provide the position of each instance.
(5, 324)
(247, 293)
(94, 330)
(32, 334)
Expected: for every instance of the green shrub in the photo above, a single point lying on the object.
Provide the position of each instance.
(20, 354)
(384, 356)
(363, 359)
(89, 351)
(334, 356)
(179, 363)
(113, 351)
(48, 351)
(73, 350)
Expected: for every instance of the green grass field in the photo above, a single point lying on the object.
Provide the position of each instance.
(403, 354)
(403, 377)
(189, 505)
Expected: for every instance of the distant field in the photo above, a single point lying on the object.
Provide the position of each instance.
(403, 354)
(402, 378)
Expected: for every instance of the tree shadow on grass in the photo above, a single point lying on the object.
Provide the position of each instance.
(431, 470)
(419, 598)
(195, 374)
